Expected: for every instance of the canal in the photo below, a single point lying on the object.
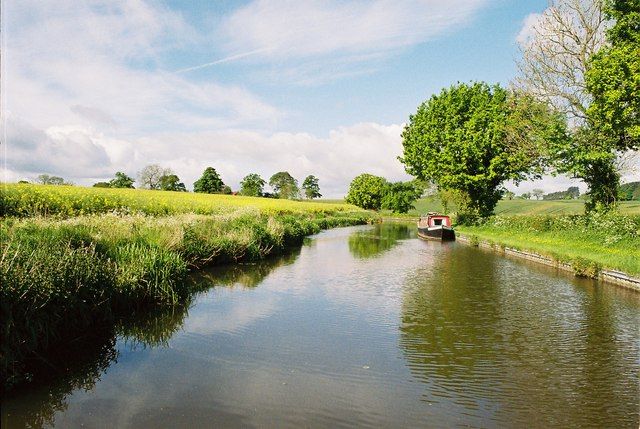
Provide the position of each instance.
(361, 327)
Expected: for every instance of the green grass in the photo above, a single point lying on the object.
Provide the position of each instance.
(71, 257)
(527, 207)
(588, 243)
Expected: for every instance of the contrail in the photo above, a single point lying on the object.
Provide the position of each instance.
(224, 60)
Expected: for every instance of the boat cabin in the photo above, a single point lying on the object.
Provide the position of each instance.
(435, 219)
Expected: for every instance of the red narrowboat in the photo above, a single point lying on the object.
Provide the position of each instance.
(435, 226)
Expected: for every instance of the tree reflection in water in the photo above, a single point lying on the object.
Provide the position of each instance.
(494, 341)
(381, 237)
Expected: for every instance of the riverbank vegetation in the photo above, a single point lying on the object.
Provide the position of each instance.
(523, 207)
(589, 243)
(73, 257)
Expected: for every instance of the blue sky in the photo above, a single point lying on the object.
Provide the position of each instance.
(311, 87)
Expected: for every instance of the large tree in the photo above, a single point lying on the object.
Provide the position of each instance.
(400, 196)
(471, 138)
(171, 182)
(311, 187)
(121, 181)
(284, 185)
(613, 78)
(366, 191)
(252, 185)
(209, 183)
(46, 179)
(150, 176)
(556, 54)
(568, 62)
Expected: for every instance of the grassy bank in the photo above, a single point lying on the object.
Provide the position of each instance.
(588, 243)
(527, 207)
(63, 273)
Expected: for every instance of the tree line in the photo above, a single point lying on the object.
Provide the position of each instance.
(573, 109)
(155, 177)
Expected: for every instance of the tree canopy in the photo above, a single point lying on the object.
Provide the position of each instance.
(400, 196)
(252, 185)
(150, 176)
(311, 187)
(613, 78)
(284, 185)
(171, 182)
(46, 179)
(366, 191)
(471, 138)
(121, 181)
(209, 183)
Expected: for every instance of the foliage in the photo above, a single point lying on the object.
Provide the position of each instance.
(45, 179)
(209, 183)
(572, 193)
(470, 138)
(613, 78)
(102, 185)
(121, 181)
(630, 191)
(226, 190)
(150, 177)
(311, 188)
(400, 196)
(284, 185)
(171, 182)
(366, 191)
(252, 185)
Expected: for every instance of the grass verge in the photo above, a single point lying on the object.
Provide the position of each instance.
(588, 243)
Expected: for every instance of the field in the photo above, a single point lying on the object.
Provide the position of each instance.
(25, 200)
(73, 258)
(528, 207)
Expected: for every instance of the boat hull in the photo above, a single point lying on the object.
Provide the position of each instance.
(437, 233)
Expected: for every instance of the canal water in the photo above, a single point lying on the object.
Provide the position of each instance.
(361, 327)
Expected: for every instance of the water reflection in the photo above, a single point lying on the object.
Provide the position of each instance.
(361, 328)
(247, 275)
(381, 237)
(79, 365)
(506, 346)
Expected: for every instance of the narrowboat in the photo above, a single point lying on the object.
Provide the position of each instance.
(435, 226)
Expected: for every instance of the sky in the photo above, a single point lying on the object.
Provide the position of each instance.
(309, 87)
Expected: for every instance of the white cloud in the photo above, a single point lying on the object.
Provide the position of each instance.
(289, 29)
(528, 28)
(99, 65)
(84, 155)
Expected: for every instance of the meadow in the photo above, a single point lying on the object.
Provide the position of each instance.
(27, 200)
(73, 258)
(527, 207)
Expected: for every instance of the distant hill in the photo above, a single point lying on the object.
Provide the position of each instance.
(630, 191)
